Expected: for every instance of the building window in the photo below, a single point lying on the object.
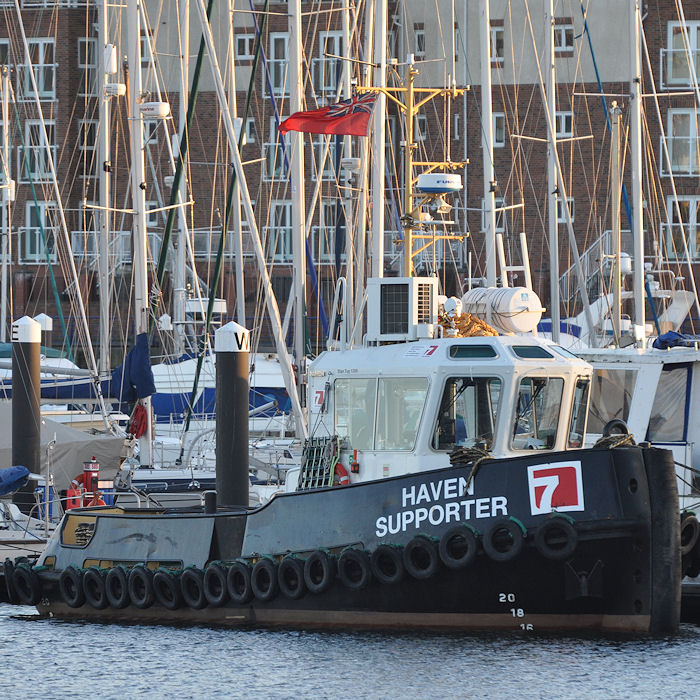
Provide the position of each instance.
(38, 242)
(561, 213)
(683, 133)
(88, 135)
(279, 232)
(87, 142)
(419, 35)
(150, 132)
(5, 165)
(325, 169)
(325, 235)
(153, 219)
(33, 155)
(497, 44)
(250, 130)
(4, 52)
(455, 131)
(564, 124)
(278, 63)
(500, 215)
(245, 47)
(275, 151)
(499, 129)
(87, 66)
(147, 50)
(41, 55)
(682, 49)
(564, 37)
(686, 227)
(326, 69)
(420, 128)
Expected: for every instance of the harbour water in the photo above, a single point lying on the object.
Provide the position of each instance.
(55, 659)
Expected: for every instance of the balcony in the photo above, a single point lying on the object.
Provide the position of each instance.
(326, 74)
(675, 68)
(279, 243)
(275, 166)
(684, 152)
(38, 245)
(674, 235)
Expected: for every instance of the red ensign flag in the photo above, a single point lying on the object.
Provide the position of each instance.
(347, 118)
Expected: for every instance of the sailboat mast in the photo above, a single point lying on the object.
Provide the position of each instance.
(348, 302)
(552, 178)
(138, 193)
(616, 120)
(236, 205)
(104, 158)
(487, 146)
(6, 197)
(296, 141)
(378, 139)
(636, 155)
(179, 291)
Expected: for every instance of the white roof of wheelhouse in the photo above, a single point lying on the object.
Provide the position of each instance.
(427, 355)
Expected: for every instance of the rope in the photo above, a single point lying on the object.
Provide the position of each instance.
(612, 441)
(464, 456)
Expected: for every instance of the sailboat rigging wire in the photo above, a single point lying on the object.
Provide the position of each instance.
(309, 257)
(89, 350)
(667, 157)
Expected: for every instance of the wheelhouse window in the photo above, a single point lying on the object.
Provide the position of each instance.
(579, 410)
(467, 413)
(400, 404)
(611, 396)
(669, 410)
(381, 414)
(537, 413)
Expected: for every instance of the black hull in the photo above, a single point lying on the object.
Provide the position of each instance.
(623, 574)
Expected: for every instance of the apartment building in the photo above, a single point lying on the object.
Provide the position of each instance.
(592, 57)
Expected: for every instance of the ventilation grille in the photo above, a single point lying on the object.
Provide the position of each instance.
(425, 292)
(394, 309)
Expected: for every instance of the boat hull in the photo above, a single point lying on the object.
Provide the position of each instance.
(622, 573)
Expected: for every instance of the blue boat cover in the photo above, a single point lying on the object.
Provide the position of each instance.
(132, 380)
(673, 339)
(12, 478)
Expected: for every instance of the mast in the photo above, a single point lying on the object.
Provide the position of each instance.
(6, 196)
(552, 179)
(105, 56)
(378, 139)
(270, 300)
(348, 302)
(616, 119)
(296, 141)
(138, 193)
(636, 155)
(236, 206)
(179, 291)
(487, 146)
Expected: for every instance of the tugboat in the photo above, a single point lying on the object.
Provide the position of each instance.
(443, 486)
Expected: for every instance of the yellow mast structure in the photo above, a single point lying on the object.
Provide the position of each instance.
(414, 99)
